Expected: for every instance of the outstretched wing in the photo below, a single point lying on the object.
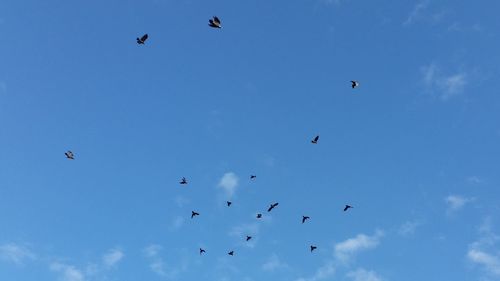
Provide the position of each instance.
(217, 20)
(144, 37)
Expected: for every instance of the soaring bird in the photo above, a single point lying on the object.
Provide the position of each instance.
(193, 214)
(354, 84)
(313, 248)
(259, 216)
(214, 22)
(248, 238)
(252, 177)
(272, 206)
(347, 207)
(69, 155)
(229, 203)
(304, 218)
(315, 140)
(183, 181)
(231, 253)
(142, 40)
(202, 251)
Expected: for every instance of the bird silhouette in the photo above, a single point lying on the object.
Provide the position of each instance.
(354, 84)
(231, 253)
(142, 40)
(202, 251)
(259, 216)
(229, 203)
(272, 206)
(69, 155)
(193, 214)
(315, 140)
(347, 207)
(313, 248)
(252, 177)
(183, 181)
(214, 22)
(304, 218)
(248, 238)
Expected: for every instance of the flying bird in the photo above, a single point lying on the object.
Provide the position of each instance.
(313, 248)
(304, 218)
(214, 22)
(183, 181)
(69, 155)
(202, 251)
(193, 214)
(252, 177)
(272, 206)
(231, 253)
(229, 203)
(347, 207)
(354, 84)
(315, 140)
(142, 40)
(248, 238)
(259, 216)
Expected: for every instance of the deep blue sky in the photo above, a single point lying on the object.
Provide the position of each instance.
(415, 148)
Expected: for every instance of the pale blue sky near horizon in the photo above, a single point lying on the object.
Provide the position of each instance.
(415, 148)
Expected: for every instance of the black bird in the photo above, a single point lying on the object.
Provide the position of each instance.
(193, 214)
(272, 206)
(252, 177)
(202, 251)
(214, 22)
(304, 218)
(248, 238)
(231, 253)
(354, 84)
(259, 216)
(347, 207)
(69, 155)
(183, 181)
(313, 248)
(229, 203)
(142, 40)
(315, 140)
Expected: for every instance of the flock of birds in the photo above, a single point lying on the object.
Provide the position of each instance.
(215, 22)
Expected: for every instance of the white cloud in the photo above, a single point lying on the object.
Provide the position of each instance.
(274, 263)
(159, 266)
(483, 252)
(346, 250)
(408, 228)
(67, 272)
(112, 257)
(474, 180)
(16, 254)
(363, 275)
(416, 11)
(152, 251)
(445, 86)
(177, 223)
(456, 202)
(326, 271)
(229, 183)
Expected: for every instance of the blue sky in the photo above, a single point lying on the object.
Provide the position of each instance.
(415, 148)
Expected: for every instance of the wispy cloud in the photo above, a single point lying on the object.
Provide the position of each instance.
(326, 271)
(229, 183)
(408, 228)
(112, 257)
(483, 253)
(274, 263)
(159, 266)
(177, 223)
(416, 11)
(241, 231)
(16, 254)
(361, 274)
(474, 180)
(456, 202)
(346, 250)
(445, 86)
(67, 272)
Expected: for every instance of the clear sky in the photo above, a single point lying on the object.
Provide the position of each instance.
(415, 148)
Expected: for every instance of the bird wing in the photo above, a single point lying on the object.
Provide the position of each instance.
(216, 20)
(144, 37)
(316, 138)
